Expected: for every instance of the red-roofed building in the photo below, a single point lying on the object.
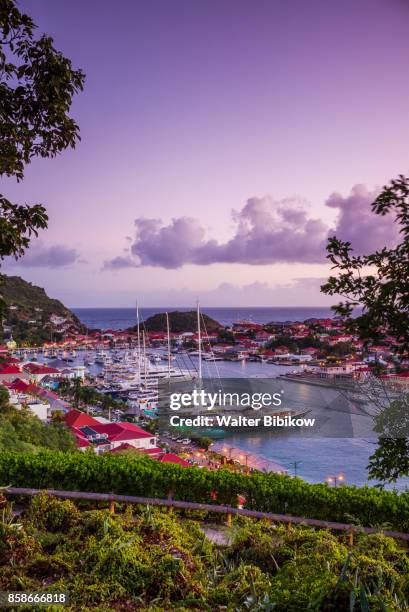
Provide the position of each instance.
(154, 453)
(310, 350)
(82, 443)
(171, 458)
(108, 436)
(118, 433)
(76, 419)
(8, 372)
(37, 371)
(18, 385)
(123, 447)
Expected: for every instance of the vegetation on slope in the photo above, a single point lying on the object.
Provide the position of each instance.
(27, 310)
(142, 476)
(147, 559)
(81, 396)
(21, 430)
(181, 322)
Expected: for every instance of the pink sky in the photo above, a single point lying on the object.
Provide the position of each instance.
(194, 109)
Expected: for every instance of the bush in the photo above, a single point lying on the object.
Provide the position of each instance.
(141, 476)
(147, 559)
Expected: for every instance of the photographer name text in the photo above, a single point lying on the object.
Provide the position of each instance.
(241, 421)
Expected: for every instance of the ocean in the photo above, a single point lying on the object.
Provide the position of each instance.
(121, 318)
(317, 458)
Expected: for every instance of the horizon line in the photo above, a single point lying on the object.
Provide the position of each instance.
(193, 308)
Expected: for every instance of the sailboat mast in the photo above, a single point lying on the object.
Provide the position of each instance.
(168, 330)
(138, 338)
(144, 356)
(199, 340)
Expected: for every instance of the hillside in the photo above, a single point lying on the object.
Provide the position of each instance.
(30, 315)
(181, 322)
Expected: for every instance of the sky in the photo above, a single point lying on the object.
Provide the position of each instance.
(222, 142)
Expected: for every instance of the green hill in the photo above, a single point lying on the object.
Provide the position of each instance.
(28, 314)
(181, 322)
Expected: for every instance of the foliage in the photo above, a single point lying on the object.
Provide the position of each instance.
(21, 430)
(86, 395)
(31, 303)
(390, 460)
(142, 476)
(202, 441)
(379, 283)
(226, 337)
(296, 345)
(37, 86)
(180, 322)
(18, 224)
(147, 559)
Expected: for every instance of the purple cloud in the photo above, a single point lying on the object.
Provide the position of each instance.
(119, 263)
(168, 246)
(357, 224)
(55, 256)
(266, 232)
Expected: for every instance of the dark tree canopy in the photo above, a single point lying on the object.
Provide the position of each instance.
(37, 85)
(379, 283)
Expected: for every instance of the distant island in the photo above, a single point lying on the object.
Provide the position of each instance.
(29, 315)
(180, 322)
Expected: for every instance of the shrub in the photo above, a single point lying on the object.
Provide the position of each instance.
(141, 476)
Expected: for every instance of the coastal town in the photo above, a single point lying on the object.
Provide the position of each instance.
(103, 384)
(204, 306)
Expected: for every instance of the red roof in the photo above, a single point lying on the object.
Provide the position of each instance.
(35, 368)
(171, 458)
(157, 453)
(396, 375)
(23, 387)
(76, 418)
(81, 442)
(19, 385)
(121, 431)
(123, 447)
(152, 451)
(9, 369)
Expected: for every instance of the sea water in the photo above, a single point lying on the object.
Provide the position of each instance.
(313, 459)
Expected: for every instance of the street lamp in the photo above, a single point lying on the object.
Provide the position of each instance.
(295, 464)
(340, 478)
(245, 456)
(228, 452)
(242, 457)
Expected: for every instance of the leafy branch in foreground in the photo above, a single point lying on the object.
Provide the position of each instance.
(18, 224)
(37, 85)
(379, 283)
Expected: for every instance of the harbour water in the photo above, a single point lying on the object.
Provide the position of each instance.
(313, 459)
(121, 318)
